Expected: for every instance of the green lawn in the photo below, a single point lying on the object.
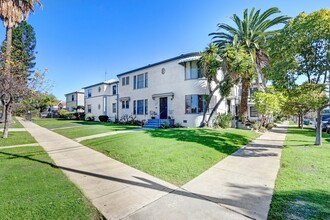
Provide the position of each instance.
(57, 123)
(31, 188)
(13, 124)
(174, 155)
(17, 137)
(302, 188)
(80, 128)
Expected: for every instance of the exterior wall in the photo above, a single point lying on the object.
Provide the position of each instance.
(101, 100)
(170, 81)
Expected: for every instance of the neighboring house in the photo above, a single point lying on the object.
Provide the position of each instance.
(58, 106)
(170, 89)
(75, 99)
(101, 99)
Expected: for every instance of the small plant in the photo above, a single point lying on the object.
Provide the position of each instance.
(223, 120)
(103, 118)
(89, 117)
(178, 125)
(165, 125)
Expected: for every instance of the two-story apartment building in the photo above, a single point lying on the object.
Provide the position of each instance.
(170, 89)
(101, 99)
(75, 99)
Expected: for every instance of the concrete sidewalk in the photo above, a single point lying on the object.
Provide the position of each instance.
(238, 187)
(114, 188)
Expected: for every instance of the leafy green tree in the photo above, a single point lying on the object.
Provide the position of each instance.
(304, 98)
(302, 49)
(251, 32)
(12, 12)
(268, 104)
(23, 46)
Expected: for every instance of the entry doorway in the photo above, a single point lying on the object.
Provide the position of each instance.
(163, 108)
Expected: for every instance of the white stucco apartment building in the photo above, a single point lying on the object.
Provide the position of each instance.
(173, 89)
(74, 99)
(101, 99)
(170, 89)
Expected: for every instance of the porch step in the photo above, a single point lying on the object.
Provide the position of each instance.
(156, 123)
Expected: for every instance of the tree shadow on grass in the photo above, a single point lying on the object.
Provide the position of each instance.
(246, 199)
(224, 142)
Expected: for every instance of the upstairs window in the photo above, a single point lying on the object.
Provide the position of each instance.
(125, 81)
(114, 89)
(72, 98)
(195, 104)
(192, 71)
(141, 81)
(89, 93)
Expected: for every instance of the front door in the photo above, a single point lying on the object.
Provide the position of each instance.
(163, 108)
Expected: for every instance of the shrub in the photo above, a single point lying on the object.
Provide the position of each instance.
(89, 117)
(178, 125)
(63, 113)
(270, 126)
(103, 118)
(164, 125)
(79, 115)
(223, 120)
(256, 125)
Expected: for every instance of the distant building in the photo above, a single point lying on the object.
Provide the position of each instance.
(101, 99)
(75, 99)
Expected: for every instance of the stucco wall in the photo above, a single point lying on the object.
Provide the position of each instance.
(171, 81)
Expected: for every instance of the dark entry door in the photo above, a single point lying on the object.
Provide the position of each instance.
(163, 108)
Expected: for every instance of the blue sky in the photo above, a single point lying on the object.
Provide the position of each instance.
(78, 41)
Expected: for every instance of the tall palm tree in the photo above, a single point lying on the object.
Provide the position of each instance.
(251, 32)
(12, 12)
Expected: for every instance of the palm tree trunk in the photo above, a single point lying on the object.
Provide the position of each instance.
(202, 124)
(7, 105)
(244, 98)
(9, 33)
(214, 110)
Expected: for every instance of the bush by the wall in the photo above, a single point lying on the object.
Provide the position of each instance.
(223, 120)
(103, 118)
(89, 117)
(63, 113)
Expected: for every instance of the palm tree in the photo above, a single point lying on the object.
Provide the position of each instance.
(251, 32)
(12, 12)
(209, 63)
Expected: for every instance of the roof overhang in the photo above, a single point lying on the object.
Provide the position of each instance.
(167, 94)
(188, 59)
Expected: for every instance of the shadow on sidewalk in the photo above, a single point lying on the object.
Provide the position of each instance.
(252, 192)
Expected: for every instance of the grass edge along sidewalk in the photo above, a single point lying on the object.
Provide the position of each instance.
(173, 155)
(302, 185)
